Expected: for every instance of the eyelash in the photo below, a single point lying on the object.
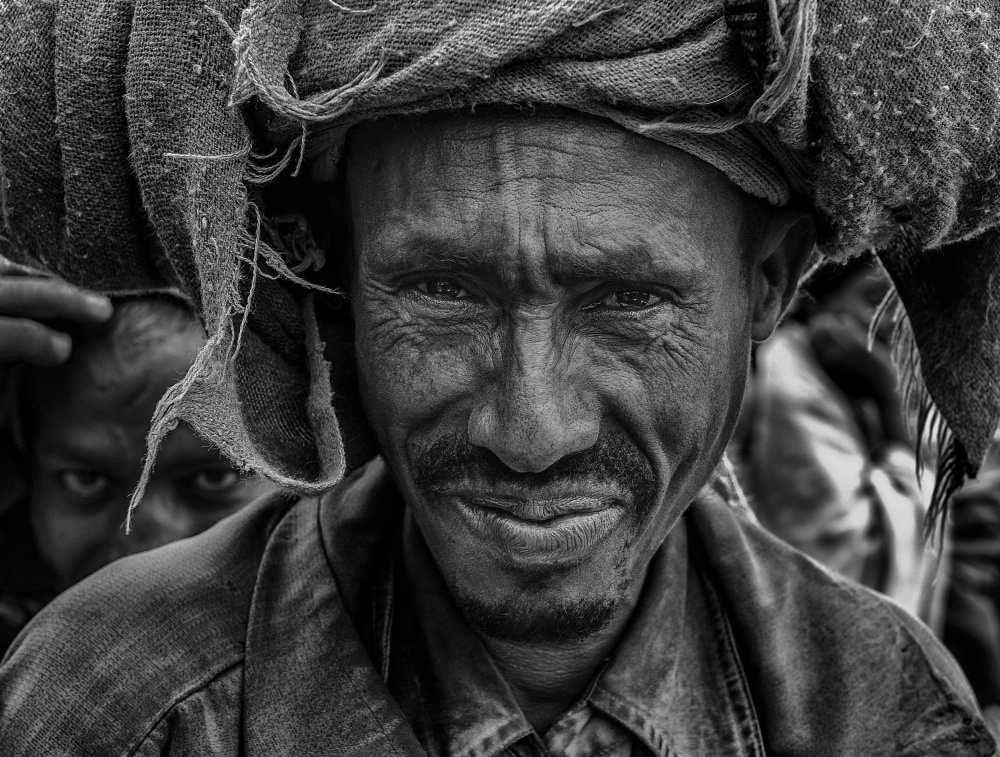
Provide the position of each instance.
(593, 306)
(597, 304)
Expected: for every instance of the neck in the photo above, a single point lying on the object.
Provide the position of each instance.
(547, 679)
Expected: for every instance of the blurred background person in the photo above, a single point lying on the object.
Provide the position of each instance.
(822, 447)
(972, 619)
(80, 383)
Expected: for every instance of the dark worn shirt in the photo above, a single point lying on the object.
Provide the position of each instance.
(670, 666)
(27, 582)
(260, 637)
(972, 622)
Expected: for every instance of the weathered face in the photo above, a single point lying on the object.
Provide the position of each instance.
(88, 440)
(553, 330)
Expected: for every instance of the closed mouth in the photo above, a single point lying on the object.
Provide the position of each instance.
(553, 529)
(540, 511)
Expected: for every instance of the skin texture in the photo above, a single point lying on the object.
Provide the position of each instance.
(552, 314)
(89, 419)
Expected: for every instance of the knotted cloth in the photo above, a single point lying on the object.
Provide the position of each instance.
(139, 138)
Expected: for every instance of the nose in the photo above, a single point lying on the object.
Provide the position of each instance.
(537, 409)
(156, 520)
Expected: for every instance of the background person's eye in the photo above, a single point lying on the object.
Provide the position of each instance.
(214, 480)
(84, 483)
(442, 289)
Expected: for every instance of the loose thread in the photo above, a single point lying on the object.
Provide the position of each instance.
(253, 288)
(275, 260)
(4, 186)
(352, 11)
(167, 416)
(211, 158)
(794, 62)
(221, 19)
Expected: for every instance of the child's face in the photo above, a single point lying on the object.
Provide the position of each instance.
(89, 428)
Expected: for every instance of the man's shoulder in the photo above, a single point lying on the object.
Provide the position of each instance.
(108, 658)
(830, 661)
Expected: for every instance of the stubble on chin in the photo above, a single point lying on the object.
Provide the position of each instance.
(533, 615)
(533, 620)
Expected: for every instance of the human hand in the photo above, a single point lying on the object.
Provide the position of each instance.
(31, 309)
(841, 345)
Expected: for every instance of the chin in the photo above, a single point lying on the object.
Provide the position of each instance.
(539, 617)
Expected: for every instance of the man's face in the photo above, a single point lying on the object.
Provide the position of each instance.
(89, 421)
(553, 328)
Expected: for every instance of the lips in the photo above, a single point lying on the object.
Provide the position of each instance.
(546, 527)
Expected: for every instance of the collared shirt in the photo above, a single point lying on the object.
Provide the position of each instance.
(27, 582)
(256, 639)
(671, 662)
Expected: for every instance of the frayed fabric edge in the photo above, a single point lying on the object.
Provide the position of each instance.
(927, 425)
(212, 376)
(211, 383)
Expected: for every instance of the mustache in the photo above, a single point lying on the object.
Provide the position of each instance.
(613, 460)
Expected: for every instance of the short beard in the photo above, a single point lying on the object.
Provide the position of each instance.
(525, 619)
(565, 621)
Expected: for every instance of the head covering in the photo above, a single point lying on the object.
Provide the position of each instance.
(131, 130)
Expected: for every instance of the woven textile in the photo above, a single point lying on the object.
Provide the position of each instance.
(130, 131)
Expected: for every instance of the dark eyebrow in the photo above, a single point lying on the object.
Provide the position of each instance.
(91, 453)
(621, 264)
(416, 248)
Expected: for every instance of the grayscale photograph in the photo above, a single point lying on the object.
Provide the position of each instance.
(499, 378)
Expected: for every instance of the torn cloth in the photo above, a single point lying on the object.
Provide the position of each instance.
(129, 129)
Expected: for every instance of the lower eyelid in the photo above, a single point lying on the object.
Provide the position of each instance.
(424, 297)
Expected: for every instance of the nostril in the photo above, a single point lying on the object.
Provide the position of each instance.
(531, 442)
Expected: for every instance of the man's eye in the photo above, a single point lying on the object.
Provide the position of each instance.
(627, 299)
(442, 289)
(215, 480)
(84, 483)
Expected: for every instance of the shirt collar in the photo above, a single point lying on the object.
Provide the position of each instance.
(440, 673)
(674, 681)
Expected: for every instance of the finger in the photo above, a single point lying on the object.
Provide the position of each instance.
(10, 268)
(50, 298)
(23, 340)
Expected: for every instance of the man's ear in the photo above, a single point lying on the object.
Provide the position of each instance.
(782, 251)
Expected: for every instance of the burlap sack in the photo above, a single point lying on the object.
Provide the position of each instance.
(130, 131)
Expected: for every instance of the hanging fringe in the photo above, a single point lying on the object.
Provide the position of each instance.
(168, 415)
(291, 236)
(933, 439)
(259, 171)
(953, 470)
(273, 258)
(254, 78)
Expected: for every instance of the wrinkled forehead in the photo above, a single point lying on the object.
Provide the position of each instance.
(508, 146)
(507, 169)
(106, 381)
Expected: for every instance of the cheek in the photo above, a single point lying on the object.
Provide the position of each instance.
(413, 372)
(678, 394)
(680, 379)
(67, 538)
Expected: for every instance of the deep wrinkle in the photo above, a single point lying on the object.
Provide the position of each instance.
(504, 340)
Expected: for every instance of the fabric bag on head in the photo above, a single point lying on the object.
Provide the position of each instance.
(134, 135)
